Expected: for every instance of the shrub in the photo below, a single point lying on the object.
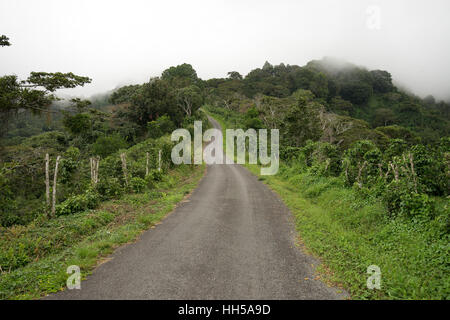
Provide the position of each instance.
(363, 157)
(401, 200)
(69, 164)
(159, 127)
(431, 169)
(416, 205)
(78, 203)
(288, 153)
(14, 257)
(155, 175)
(138, 184)
(7, 202)
(109, 188)
(392, 196)
(325, 159)
(77, 124)
(106, 145)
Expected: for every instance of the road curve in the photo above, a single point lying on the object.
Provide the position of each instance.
(232, 239)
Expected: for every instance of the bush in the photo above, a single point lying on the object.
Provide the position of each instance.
(78, 203)
(109, 188)
(288, 153)
(400, 200)
(325, 159)
(417, 205)
(7, 202)
(362, 154)
(155, 175)
(431, 169)
(138, 184)
(159, 127)
(68, 165)
(78, 124)
(104, 146)
(14, 258)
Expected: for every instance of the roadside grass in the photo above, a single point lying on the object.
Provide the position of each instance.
(85, 239)
(348, 232)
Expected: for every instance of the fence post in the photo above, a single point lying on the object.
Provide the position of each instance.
(159, 160)
(47, 180)
(124, 167)
(54, 185)
(146, 165)
(94, 169)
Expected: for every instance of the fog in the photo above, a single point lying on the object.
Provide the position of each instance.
(121, 42)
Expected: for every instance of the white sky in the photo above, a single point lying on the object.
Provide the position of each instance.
(121, 42)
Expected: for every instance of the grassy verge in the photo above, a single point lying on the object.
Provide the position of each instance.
(349, 232)
(86, 238)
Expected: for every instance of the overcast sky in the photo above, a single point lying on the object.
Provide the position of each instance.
(121, 42)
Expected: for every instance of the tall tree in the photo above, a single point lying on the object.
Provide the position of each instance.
(4, 41)
(180, 76)
(35, 93)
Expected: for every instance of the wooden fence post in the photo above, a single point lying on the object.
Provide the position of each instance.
(159, 160)
(54, 185)
(146, 165)
(47, 180)
(124, 167)
(94, 169)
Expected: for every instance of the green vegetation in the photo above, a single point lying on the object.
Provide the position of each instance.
(143, 119)
(115, 177)
(352, 218)
(34, 258)
(365, 168)
(349, 232)
(333, 92)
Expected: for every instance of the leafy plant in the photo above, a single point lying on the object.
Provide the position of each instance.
(138, 184)
(78, 203)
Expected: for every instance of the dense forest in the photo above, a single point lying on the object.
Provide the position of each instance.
(346, 119)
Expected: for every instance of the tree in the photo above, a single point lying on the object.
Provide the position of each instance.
(271, 110)
(159, 127)
(189, 99)
(356, 92)
(302, 120)
(124, 94)
(106, 145)
(319, 85)
(341, 106)
(382, 81)
(384, 117)
(398, 132)
(4, 41)
(152, 100)
(80, 105)
(267, 67)
(35, 93)
(78, 124)
(180, 76)
(302, 77)
(429, 100)
(234, 75)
